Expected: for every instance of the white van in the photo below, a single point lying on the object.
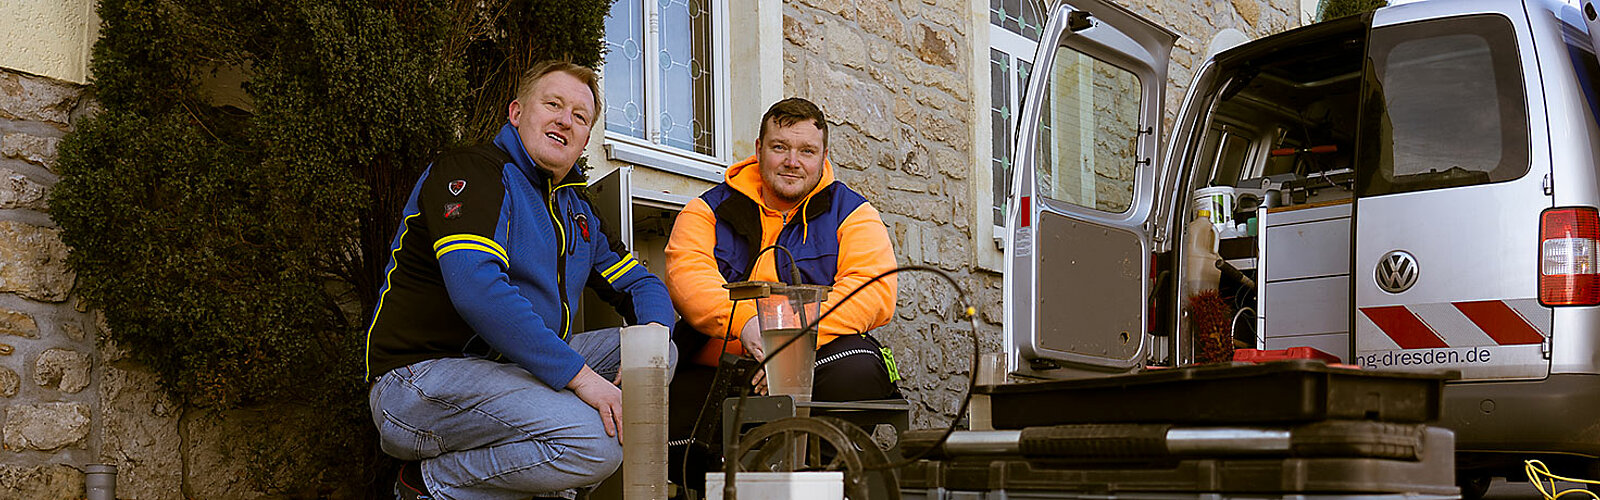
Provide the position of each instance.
(1411, 189)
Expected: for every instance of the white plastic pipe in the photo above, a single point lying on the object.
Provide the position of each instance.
(100, 481)
(644, 412)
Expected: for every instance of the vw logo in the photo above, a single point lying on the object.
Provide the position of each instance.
(1397, 271)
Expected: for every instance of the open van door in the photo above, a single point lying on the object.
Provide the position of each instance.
(1078, 226)
(1450, 191)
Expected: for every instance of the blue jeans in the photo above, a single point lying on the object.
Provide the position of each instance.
(490, 430)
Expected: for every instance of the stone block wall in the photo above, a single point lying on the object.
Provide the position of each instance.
(68, 397)
(893, 76)
(49, 403)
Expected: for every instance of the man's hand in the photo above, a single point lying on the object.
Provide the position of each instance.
(750, 338)
(603, 396)
(760, 382)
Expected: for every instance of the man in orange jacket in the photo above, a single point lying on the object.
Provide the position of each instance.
(785, 194)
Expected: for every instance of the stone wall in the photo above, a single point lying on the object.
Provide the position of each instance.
(69, 396)
(49, 403)
(893, 77)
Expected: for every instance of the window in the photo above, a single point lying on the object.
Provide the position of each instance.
(1089, 133)
(666, 97)
(1014, 29)
(1447, 106)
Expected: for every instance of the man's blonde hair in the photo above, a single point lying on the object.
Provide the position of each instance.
(540, 69)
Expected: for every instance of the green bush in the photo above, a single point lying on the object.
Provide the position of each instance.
(237, 252)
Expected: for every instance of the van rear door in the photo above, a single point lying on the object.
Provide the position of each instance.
(1452, 174)
(1078, 245)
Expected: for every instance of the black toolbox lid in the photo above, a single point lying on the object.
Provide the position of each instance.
(1277, 392)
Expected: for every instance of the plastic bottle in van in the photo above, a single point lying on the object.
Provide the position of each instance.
(1200, 255)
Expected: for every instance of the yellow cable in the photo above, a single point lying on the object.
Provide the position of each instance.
(1537, 470)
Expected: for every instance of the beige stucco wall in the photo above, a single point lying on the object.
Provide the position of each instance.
(48, 37)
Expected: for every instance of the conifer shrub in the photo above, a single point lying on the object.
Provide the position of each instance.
(230, 209)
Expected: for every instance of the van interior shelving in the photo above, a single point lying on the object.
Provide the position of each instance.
(1282, 134)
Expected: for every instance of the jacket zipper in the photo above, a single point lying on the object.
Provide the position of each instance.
(777, 264)
(561, 256)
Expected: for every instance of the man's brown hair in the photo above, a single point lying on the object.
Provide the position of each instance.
(540, 69)
(791, 111)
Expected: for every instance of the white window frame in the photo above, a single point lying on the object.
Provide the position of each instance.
(1021, 50)
(651, 152)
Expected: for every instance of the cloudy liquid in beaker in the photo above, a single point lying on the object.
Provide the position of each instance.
(790, 372)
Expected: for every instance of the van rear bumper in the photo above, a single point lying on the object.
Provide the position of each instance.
(1560, 414)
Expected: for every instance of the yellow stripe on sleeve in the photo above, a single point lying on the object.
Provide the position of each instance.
(493, 247)
(625, 259)
(472, 246)
(613, 278)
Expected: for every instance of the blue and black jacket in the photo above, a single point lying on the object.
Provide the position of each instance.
(491, 259)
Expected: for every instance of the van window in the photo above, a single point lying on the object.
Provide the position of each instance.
(1088, 133)
(1584, 65)
(1445, 107)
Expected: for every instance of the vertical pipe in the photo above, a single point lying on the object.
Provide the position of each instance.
(991, 370)
(644, 412)
(100, 481)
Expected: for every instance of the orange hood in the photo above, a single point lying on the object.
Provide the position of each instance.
(745, 176)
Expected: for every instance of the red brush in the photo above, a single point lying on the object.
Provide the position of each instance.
(1211, 319)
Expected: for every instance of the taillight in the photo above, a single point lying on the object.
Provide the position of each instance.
(1569, 274)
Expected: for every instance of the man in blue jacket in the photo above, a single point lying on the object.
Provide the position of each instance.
(478, 380)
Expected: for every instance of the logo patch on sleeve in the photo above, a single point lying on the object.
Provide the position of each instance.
(583, 226)
(452, 210)
(456, 186)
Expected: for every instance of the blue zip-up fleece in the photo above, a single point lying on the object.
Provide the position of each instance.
(491, 259)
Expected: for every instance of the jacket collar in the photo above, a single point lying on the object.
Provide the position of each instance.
(745, 177)
(508, 140)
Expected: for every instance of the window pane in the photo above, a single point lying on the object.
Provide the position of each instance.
(1031, 20)
(1010, 15)
(1023, 17)
(1024, 70)
(1000, 110)
(686, 82)
(624, 69)
(1448, 106)
(1231, 160)
(1088, 133)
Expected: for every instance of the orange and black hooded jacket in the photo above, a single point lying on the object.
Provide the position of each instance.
(836, 237)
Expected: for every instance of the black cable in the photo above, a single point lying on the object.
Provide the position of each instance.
(966, 400)
(794, 270)
(727, 335)
(689, 446)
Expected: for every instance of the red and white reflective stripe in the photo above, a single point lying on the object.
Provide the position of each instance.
(1456, 324)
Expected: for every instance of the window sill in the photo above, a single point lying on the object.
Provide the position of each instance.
(666, 161)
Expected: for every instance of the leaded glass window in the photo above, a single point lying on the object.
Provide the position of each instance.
(660, 85)
(1014, 30)
(624, 69)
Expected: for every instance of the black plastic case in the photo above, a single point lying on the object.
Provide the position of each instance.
(1433, 475)
(1268, 393)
